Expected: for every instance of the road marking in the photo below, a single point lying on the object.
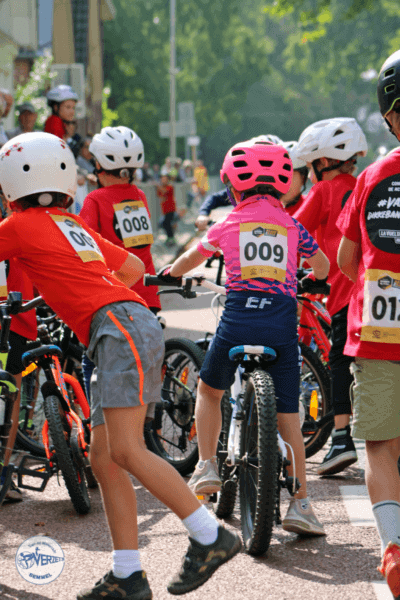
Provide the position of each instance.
(382, 590)
(358, 505)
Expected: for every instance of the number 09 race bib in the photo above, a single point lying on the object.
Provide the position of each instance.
(263, 251)
(81, 241)
(381, 309)
(134, 223)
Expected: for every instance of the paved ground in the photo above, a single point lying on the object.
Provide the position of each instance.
(340, 566)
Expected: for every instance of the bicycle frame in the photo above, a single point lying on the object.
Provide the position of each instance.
(310, 326)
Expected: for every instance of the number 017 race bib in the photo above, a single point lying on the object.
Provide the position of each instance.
(134, 223)
(263, 251)
(81, 241)
(381, 309)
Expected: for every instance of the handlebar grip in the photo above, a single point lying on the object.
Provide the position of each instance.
(154, 280)
(316, 289)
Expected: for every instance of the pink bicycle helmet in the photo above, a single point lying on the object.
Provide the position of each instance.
(252, 163)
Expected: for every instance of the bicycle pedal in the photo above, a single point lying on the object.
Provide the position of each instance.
(44, 473)
(203, 498)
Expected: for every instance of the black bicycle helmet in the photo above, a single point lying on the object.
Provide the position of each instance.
(389, 83)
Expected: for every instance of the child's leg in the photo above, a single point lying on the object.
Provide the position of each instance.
(208, 419)
(127, 449)
(289, 428)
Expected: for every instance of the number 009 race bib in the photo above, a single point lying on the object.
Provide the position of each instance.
(381, 309)
(134, 223)
(81, 241)
(263, 251)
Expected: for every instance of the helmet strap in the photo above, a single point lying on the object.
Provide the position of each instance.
(230, 196)
(319, 173)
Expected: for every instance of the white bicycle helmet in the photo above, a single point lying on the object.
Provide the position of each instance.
(339, 138)
(292, 147)
(273, 139)
(62, 93)
(31, 163)
(117, 148)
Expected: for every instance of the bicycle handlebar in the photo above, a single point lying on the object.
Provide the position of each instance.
(185, 289)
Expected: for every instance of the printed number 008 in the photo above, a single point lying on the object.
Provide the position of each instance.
(379, 308)
(135, 224)
(264, 251)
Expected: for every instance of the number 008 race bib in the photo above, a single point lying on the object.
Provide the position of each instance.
(263, 251)
(81, 241)
(381, 309)
(134, 223)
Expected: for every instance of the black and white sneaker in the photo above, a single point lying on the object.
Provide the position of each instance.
(342, 453)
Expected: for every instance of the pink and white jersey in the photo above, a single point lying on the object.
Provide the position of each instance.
(260, 242)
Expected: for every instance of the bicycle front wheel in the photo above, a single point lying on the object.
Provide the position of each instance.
(258, 481)
(172, 433)
(71, 468)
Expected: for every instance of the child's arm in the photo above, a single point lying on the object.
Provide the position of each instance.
(319, 264)
(131, 271)
(188, 261)
(348, 258)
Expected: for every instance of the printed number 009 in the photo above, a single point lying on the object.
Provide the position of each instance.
(264, 251)
(135, 224)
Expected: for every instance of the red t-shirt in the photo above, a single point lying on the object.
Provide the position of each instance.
(23, 324)
(167, 199)
(371, 218)
(319, 213)
(64, 264)
(55, 125)
(100, 213)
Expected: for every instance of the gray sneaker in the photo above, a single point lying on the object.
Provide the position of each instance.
(206, 480)
(302, 520)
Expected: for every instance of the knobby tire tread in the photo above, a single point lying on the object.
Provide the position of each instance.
(258, 539)
(78, 491)
(322, 376)
(225, 504)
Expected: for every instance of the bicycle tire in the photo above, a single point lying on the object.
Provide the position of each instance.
(258, 441)
(5, 482)
(176, 421)
(314, 369)
(73, 473)
(226, 498)
(25, 440)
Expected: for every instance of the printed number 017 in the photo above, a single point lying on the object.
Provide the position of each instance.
(379, 308)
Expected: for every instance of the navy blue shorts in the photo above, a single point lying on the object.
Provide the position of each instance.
(263, 319)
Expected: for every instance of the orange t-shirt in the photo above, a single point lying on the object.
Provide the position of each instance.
(72, 275)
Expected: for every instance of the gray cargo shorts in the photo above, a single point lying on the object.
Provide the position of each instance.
(127, 348)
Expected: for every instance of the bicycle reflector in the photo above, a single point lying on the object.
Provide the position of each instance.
(185, 375)
(314, 405)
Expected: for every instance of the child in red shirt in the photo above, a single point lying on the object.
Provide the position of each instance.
(165, 191)
(330, 149)
(62, 101)
(86, 280)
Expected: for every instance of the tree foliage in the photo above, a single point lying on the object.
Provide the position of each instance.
(249, 66)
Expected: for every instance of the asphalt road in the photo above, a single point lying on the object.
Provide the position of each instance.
(340, 566)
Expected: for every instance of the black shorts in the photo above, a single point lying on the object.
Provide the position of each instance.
(17, 348)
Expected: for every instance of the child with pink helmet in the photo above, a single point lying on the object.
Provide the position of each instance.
(260, 242)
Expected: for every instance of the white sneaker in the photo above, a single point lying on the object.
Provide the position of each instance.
(206, 480)
(302, 520)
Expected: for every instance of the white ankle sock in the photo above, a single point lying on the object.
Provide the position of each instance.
(202, 526)
(387, 517)
(126, 562)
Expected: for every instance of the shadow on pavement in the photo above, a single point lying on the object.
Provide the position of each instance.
(8, 593)
(58, 520)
